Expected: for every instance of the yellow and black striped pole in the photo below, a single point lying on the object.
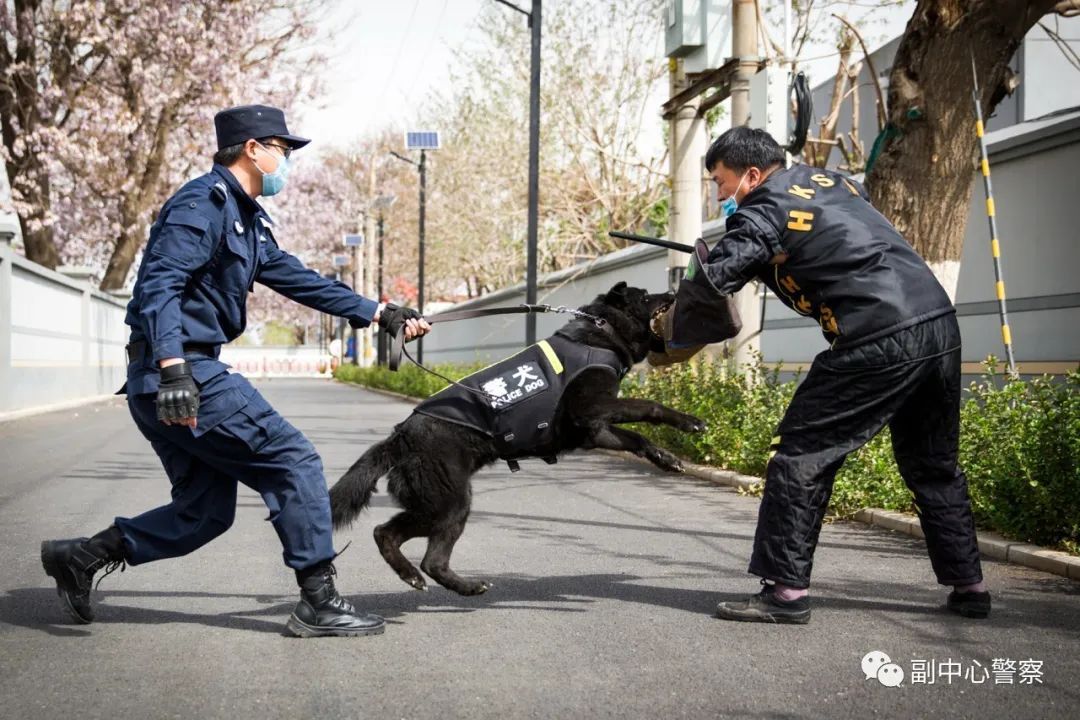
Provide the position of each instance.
(995, 244)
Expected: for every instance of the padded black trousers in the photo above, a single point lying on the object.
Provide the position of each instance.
(910, 381)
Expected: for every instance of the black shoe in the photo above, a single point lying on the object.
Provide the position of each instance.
(72, 563)
(766, 607)
(322, 611)
(969, 604)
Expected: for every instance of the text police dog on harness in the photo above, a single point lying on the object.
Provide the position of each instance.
(210, 244)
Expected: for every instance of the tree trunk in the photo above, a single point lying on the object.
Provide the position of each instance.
(923, 177)
(127, 247)
(136, 206)
(20, 111)
(32, 186)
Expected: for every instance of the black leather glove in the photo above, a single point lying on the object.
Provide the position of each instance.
(178, 395)
(393, 318)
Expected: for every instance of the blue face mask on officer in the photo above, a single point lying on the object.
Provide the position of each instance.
(273, 182)
(730, 204)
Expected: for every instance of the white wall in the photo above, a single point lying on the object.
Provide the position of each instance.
(492, 338)
(60, 340)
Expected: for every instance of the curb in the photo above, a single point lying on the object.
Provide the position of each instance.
(991, 545)
(55, 407)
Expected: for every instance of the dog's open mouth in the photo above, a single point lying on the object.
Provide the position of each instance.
(656, 324)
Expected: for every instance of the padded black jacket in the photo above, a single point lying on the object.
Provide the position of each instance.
(847, 266)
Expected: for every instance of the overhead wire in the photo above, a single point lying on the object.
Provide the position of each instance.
(397, 56)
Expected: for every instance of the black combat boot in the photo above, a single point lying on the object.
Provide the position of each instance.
(72, 563)
(322, 611)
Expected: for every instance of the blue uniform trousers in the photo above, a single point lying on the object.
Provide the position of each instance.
(239, 438)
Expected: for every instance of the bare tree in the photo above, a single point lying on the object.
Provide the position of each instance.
(598, 169)
(819, 148)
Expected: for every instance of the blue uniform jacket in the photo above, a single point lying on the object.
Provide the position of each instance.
(210, 244)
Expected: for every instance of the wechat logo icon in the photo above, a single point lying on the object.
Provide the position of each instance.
(876, 664)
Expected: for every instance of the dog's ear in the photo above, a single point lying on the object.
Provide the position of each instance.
(617, 294)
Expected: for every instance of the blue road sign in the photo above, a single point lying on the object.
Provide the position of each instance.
(353, 240)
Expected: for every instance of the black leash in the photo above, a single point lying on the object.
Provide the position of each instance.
(397, 348)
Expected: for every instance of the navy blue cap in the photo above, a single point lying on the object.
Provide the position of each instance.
(244, 122)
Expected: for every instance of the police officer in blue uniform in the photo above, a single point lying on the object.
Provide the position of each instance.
(212, 429)
(814, 239)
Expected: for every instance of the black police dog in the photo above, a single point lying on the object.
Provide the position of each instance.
(430, 461)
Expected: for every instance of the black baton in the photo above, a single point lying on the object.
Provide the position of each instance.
(652, 241)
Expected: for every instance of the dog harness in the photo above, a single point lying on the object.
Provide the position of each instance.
(515, 400)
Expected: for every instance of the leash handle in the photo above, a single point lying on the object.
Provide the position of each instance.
(397, 344)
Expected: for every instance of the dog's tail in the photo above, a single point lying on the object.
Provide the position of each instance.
(352, 492)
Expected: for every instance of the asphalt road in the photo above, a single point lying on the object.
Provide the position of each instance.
(605, 578)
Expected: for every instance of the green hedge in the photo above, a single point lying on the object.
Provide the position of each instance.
(1019, 441)
(408, 380)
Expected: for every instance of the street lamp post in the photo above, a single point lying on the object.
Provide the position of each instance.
(534, 164)
(381, 202)
(423, 211)
(421, 166)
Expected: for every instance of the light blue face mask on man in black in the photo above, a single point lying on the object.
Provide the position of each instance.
(730, 205)
(274, 182)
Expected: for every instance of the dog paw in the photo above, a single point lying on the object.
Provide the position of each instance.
(692, 424)
(417, 583)
(475, 588)
(665, 460)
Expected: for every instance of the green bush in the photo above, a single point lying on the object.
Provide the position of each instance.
(1019, 440)
(408, 380)
(741, 411)
(1019, 444)
(1020, 448)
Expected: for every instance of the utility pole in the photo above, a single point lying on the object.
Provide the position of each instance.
(357, 285)
(687, 151)
(380, 356)
(534, 172)
(534, 164)
(744, 46)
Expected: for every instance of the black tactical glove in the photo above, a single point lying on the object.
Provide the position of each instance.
(178, 395)
(393, 318)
